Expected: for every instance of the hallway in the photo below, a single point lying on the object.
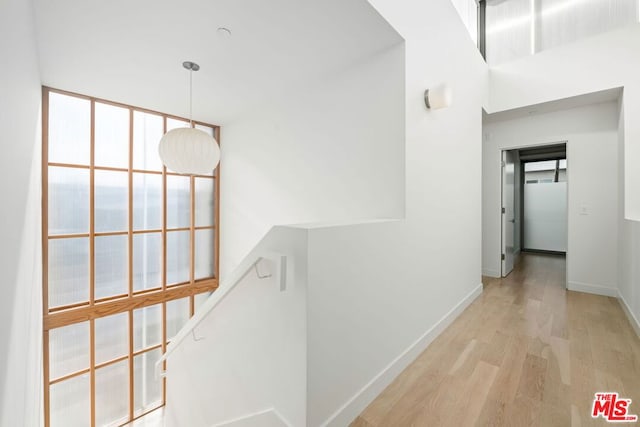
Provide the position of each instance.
(525, 353)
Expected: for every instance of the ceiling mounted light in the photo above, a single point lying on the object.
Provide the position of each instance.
(438, 97)
(189, 151)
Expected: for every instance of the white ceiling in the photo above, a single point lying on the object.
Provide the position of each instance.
(131, 51)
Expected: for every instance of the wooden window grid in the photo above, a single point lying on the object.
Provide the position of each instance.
(96, 308)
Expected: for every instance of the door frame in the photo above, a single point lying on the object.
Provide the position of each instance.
(503, 249)
(540, 144)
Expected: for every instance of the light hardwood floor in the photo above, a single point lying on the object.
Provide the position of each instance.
(525, 353)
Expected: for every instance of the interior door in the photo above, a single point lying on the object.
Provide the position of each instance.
(508, 211)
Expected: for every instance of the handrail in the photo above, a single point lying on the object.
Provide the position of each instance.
(216, 298)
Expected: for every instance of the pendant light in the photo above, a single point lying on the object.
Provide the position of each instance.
(189, 151)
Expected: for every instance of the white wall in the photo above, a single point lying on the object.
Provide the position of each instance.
(629, 271)
(251, 350)
(628, 243)
(343, 150)
(331, 151)
(20, 253)
(375, 302)
(602, 62)
(591, 133)
(593, 242)
(376, 291)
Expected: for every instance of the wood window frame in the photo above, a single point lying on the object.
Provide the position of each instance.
(57, 317)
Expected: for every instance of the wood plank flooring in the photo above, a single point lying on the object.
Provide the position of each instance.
(526, 353)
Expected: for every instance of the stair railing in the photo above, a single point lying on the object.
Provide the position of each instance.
(219, 295)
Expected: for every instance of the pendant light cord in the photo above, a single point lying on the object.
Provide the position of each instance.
(191, 97)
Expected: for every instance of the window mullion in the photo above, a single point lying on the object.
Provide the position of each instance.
(92, 260)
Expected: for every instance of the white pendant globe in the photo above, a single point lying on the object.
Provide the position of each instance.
(189, 151)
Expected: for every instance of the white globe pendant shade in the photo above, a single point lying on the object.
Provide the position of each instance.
(189, 151)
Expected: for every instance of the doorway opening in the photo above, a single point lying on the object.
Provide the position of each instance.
(534, 202)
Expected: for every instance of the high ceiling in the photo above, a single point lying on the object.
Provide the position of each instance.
(131, 51)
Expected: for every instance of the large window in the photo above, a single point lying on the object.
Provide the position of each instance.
(517, 28)
(130, 251)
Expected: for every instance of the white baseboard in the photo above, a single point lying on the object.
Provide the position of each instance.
(354, 406)
(490, 273)
(266, 418)
(593, 289)
(627, 310)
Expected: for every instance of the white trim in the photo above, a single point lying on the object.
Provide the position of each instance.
(592, 289)
(358, 402)
(491, 273)
(531, 144)
(255, 415)
(627, 310)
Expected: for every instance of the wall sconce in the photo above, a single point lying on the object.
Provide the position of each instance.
(438, 96)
